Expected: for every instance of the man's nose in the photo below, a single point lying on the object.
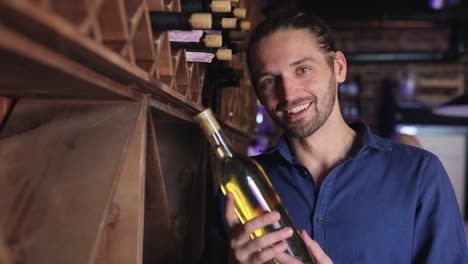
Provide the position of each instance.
(287, 89)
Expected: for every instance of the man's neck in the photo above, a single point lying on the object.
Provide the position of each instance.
(325, 149)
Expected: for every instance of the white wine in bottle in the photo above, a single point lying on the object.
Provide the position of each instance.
(252, 190)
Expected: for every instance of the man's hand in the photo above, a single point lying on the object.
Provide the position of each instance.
(259, 250)
(314, 248)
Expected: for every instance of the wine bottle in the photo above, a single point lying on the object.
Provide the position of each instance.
(194, 39)
(186, 39)
(230, 23)
(161, 21)
(207, 55)
(252, 190)
(223, 7)
(229, 36)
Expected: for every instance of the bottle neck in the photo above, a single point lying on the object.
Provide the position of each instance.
(213, 133)
(220, 145)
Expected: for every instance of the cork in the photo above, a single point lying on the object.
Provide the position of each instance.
(228, 22)
(221, 6)
(213, 41)
(201, 21)
(245, 25)
(240, 13)
(224, 54)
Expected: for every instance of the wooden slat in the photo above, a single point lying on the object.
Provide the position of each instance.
(180, 181)
(75, 13)
(164, 54)
(90, 25)
(176, 6)
(142, 39)
(5, 104)
(182, 73)
(195, 81)
(124, 230)
(171, 111)
(113, 22)
(160, 5)
(159, 244)
(58, 166)
(131, 7)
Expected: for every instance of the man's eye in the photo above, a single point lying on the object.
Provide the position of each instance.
(268, 82)
(303, 70)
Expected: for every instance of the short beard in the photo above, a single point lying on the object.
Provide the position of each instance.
(304, 128)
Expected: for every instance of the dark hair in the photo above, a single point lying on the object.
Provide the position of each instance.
(292, 19)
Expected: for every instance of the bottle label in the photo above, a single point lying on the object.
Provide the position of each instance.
(184, 35)
(201, 21)
(221, 6)
(199, 56)
(228, 22)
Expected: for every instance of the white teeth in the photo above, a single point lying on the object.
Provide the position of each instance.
(297, 109)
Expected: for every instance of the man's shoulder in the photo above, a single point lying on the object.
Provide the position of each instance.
(404, 152)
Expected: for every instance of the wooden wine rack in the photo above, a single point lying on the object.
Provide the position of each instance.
(111, 37)
(100, 159)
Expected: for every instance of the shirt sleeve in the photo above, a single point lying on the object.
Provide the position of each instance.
(439, 235)
(216, 241)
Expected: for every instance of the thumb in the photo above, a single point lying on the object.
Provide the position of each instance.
(229, 211)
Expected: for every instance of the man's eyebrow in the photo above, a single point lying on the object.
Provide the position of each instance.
(295, 63)
(267, 73)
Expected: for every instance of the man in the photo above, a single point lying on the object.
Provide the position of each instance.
(362, 199)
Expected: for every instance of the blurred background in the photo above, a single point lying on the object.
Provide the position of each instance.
(407, 61)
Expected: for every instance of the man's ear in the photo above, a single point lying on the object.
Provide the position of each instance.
(341, 66)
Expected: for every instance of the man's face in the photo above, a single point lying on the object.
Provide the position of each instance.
(295, 82)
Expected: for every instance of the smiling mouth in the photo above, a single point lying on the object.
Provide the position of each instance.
(298, 109)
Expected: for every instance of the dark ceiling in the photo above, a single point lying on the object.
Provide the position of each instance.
(377, 9)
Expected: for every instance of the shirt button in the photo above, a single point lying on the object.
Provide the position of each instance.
(319, 220)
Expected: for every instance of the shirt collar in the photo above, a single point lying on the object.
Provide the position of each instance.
(365, 139)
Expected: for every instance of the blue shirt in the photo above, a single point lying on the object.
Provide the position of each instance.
(386, 203)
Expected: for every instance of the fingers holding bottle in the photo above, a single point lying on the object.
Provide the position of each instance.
(258, 250)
